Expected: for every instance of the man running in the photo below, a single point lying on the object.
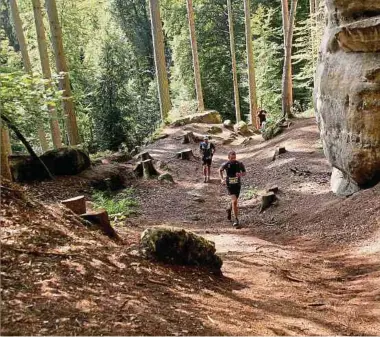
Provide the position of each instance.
(234, 170)
(207, 150)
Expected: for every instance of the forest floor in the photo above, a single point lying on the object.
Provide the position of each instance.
(308, 265)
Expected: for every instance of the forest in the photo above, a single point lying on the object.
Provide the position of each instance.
(111, 100)
(190, 167)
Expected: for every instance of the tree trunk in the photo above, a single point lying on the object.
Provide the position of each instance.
(233, 59)
(251, 64)
(61, 65)
(285, 27)
(5, 169)
(26, 61)
(286, 74)
(159, 59)
(44, 57)
(7, 140)
(194, 50)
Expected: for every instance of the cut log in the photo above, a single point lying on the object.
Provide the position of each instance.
(77, 204)
(148, 169)
(267, 200)
(101, 220)
(185, 154)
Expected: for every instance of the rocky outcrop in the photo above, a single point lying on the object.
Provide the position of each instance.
(208, 117)
(347, 92)
(63, 161)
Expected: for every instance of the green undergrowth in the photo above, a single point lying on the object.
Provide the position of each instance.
(118, 206)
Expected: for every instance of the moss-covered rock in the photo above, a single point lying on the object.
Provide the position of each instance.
(208, 117)
(179, 247)
(63, 161)
(166, 177)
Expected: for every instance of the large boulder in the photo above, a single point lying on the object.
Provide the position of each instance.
(347, 91)
(66, 161)
(242, 128)
(214, 130)
(63, 161)
(207, 117)
(179, 247)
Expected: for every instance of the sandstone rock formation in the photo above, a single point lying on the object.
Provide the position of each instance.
(347, 91)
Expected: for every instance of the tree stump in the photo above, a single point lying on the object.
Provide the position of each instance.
(185, 154)
(148, 169)
(188, 138)
(278, 151)
(101, 220)
(144, 156)
(273, 189)
(267, 200)
(77, 204)
(138, 169)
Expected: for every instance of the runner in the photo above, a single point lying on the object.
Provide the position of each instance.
(207, 150)
(234, 170)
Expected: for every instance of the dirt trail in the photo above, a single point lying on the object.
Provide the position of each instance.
(300, 267)
(309, 265)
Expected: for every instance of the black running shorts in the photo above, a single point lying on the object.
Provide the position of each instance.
(234, 189)
(207, 161)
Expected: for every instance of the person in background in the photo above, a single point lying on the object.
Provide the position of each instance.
(207, 150)
(262, 119)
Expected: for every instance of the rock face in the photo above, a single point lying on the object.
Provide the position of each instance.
(208, 117)
(347, 92)
(179, 247)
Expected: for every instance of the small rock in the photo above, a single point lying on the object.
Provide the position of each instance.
(215, 129)
(199, 199)
(228, 124)
(242, 128)
(166, 177)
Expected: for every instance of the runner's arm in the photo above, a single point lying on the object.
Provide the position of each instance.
(242, 171)
(221, 169)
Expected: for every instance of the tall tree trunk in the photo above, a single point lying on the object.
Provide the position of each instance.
(286, 107)
(159, 58)
(44, 57)
(61, 65)
(26, 61)
(7, 140)
(5, 169)
(194, 50)
(285, 27)
(233, 59)
(251, 63)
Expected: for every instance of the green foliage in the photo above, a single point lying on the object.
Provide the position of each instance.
(267, 53)
(119, 206)
(250, 193)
